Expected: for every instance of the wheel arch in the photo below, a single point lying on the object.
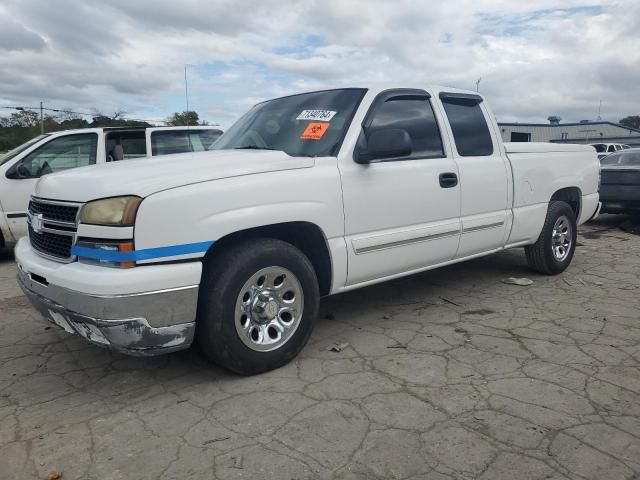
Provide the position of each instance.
(306, 236)
(570, 195)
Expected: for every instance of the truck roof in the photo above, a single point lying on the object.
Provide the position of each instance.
(381, 86)
(111, 129)
(376, 88)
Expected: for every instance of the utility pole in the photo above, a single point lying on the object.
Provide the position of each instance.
(41, 120)
(478, 84)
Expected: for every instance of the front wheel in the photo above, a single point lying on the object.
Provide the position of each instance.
(554, 249)
(257, 306)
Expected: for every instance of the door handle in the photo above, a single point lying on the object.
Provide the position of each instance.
(448, 180)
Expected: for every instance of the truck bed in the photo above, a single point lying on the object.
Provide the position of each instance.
(540, 147)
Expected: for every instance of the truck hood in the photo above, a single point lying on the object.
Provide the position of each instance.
(146, 176)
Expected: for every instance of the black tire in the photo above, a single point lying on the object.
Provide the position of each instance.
(540, 255)
(224, 276)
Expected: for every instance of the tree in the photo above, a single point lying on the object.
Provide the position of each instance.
(24, 118)
(184, 119)
(632, 121)
(115, 120)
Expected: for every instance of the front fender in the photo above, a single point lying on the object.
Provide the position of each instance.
(208, 211)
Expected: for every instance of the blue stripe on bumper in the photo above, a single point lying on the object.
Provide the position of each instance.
(138, 255)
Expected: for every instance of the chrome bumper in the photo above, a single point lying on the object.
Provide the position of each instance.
(144, 324)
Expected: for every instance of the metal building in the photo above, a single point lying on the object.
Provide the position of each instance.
(582, 132)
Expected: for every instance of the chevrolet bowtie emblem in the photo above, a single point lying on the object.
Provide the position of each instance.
(37, 223)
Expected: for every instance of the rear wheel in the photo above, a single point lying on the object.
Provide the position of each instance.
(257, 306)
(554, 249)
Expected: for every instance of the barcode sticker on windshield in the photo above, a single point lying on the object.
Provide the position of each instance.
(322, 115)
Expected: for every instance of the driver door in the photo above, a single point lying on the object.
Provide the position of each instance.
(61, 153)
(402, 214)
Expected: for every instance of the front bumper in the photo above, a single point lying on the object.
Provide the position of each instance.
(120, 322)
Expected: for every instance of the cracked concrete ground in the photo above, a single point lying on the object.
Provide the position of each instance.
(450, 374)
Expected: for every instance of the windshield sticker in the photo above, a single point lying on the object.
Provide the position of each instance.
(315, 131)
(322, 115)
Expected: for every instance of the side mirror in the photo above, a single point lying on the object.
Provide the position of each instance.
(18, 172)
(386, 143)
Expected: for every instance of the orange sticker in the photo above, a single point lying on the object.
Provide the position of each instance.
(314, 131)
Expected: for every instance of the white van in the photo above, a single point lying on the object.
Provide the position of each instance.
(21, 168)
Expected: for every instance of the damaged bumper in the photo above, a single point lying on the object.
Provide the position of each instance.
(120, 322)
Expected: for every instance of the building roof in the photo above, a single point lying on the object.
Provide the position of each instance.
(561, 125)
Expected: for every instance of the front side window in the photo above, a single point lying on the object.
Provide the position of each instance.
(19, 149)
(309, 125)
(600, 148)
(414, 114)
(61, 153)
(469, 127)
(612, 148)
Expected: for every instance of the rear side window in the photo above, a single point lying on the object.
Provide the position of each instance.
(126, 145)
(415, 115)
(469, 127)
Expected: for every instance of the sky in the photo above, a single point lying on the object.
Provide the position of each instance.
(535, 58)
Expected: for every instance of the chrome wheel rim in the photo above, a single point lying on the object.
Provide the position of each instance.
(561, 238)
(269, 309)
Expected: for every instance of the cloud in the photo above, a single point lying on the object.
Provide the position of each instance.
(16, 37)
(535, 58)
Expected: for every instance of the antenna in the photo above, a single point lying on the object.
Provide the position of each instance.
(186, 91)
(478, 84)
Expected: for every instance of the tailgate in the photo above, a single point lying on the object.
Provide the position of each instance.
(620, 176)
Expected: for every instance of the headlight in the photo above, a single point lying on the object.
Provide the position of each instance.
(116, 211)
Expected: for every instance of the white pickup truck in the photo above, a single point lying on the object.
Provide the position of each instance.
(306, 195)
(21, 168)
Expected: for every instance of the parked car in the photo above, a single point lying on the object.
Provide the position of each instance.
(53, 152)
(620, 182)
(306, 195)
(605, 149)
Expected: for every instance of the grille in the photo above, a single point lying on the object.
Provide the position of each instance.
(51, 244)
(59, 213)
(55, 227)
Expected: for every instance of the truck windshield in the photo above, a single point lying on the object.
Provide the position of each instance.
(310, 124)
(19, 149)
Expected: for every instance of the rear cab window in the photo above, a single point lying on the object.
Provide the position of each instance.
(468, 124)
